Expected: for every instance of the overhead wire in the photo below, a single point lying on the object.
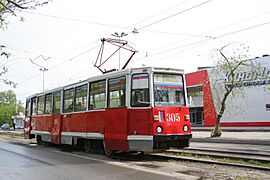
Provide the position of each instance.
(213, 30)
(157, 14)
(173, 15)
(68, 60)
(142, 28)
(220, 36)
(73, 19)
(206, 34)
(72, 58)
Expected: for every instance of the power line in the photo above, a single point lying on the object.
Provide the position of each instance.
(73, 49)
(147, 18)
(70, 59)
(173, 33)
(168, 17)
(73, 19)
(213, 30)
(238, 22)
(243, 29)
(198, 43)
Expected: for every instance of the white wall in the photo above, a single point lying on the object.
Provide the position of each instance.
(251, 107)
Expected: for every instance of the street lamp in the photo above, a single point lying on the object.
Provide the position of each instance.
(43, 72)
(120, 35)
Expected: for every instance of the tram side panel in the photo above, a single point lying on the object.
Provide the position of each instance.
(56, 128)
(73, 127)
(140, 133)
(95, 124)
(116, 128)
(41, 125)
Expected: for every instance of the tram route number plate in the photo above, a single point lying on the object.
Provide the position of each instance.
(173, 117)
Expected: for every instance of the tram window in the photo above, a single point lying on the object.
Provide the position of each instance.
(69, 100)
(40, 108)
(168, 90)
(80, 98)
(117, 92)
(48, 104)
(97, 95)
(56, 102)
(34, 106)
(140, 91)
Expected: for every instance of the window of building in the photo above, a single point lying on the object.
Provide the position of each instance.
(195, 96)
(41, 101)
(69, 100)
(97, 95)
(81, 97)
(56, 102)
(140, 91)
(195, 91)
(34, 106)
(117, 92)
(48, 103)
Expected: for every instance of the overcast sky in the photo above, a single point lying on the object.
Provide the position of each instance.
(64, 36)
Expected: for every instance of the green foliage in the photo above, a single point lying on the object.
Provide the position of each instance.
(6, 113)
(7, 97)
(7, 106)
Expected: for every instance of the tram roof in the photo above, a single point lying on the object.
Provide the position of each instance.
(110, 75)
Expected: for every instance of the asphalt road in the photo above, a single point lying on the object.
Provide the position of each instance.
(26, 162)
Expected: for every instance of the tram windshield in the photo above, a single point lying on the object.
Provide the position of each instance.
(168, 90)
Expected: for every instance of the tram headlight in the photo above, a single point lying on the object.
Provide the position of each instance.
(185, 128)
(159, 129)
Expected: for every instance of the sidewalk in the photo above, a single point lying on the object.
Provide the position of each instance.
(238, 135)
(12, 132)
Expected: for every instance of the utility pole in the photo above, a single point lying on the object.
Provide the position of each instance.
(119, 36)
(43, 72)
(43, 69)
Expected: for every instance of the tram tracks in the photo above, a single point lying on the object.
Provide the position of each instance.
(259, 161)
(254, 160)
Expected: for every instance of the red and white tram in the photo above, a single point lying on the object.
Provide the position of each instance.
(133, 110)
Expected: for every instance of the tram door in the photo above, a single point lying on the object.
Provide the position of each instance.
(27, 121)
(116, 118)
(56, 119)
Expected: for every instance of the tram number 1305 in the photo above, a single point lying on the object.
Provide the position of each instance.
(173, 117)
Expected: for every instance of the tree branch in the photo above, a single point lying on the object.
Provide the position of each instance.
(6, 7)
(16, 4)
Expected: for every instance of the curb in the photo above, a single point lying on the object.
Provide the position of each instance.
(233, 141)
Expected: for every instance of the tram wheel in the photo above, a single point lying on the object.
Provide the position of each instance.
(87, 145)
(39, 140)
(184, 143)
